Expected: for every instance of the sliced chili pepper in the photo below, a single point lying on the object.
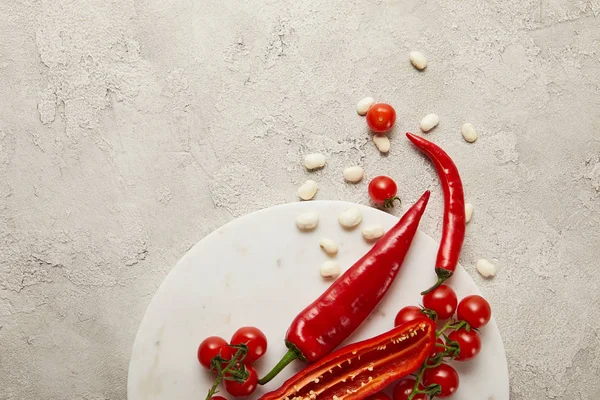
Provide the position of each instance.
(330, 319)
(361, 369)
(453, 230)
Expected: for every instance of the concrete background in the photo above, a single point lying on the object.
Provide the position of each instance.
(130, 129)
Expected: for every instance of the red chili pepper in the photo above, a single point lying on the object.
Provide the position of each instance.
(453, 230)
(330, 319)
(361, 369)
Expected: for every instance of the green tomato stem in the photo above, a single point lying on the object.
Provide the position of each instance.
(239, 356)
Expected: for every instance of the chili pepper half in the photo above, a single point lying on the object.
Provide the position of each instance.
(330, 319)
(453, 230)
(360, 369)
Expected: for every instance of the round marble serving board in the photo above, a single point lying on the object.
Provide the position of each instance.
(261, 270)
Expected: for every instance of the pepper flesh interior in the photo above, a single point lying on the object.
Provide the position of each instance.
(345, 377)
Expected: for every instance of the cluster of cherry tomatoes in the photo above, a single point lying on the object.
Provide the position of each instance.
(215, 346)
(473, 312)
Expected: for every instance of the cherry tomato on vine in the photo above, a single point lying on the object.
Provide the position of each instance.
(378, 396)
(469, 342)
(443, 375)
(246, 388)
(254, 339)
(407, 314)
(382, 190)
(211, 347)
(475, 310)
(441, 300)
(437, 349)
(381, 117)
(404, 388)
(218, 398)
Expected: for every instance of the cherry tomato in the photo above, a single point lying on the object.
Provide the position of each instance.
(254, 339)
(437, 349)
(407, 314)
(441, 300)
(245, 388)
(218, 398)
(211, 347)
(382, 190)
(475, 310)
(469, 342)
(443, 375)
(378, 396)
(404, 388)
(381, 117)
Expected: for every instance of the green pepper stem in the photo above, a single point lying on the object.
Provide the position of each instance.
(291, 355)
(443, 276)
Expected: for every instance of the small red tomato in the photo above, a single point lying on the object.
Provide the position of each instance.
(407, 314)
(437, 349)
(404, 388)
(211, 347)
(441, 300)
(475, 310)
(381, 117)
(218, 398)
(469, 342)
(443, 375)
(246, 388)
(383, 190)
(254, 339)
(378, 396)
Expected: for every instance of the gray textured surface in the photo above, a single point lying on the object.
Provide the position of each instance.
(131, 129)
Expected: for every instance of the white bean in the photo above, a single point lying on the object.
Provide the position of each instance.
(486, 268)
(314, 161)
(469, 133)
(308, 190)
(363, 106)
(330, 269)
(429, 122)
(307, 221)
(418, 60)
(468, 212)
(354, 174)
(329, 246)
(382, 143)
(373, 232)
(350, 218)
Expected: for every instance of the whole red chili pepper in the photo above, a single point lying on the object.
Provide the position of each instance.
(453, 230)
(330, 319)
(361, 369)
